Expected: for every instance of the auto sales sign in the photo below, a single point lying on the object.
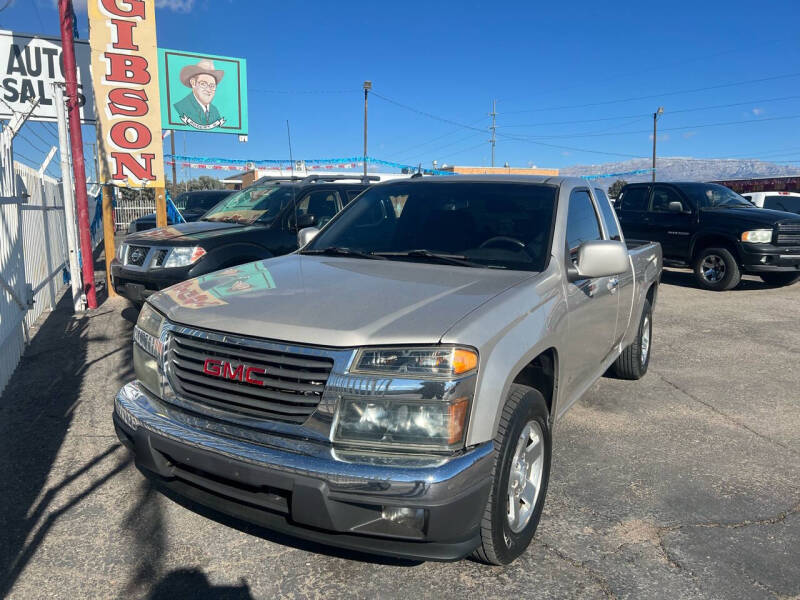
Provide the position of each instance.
(125, 73)
(30, 65)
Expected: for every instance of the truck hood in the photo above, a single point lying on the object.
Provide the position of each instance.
(186, 233)
(755, 217)
(334, 301)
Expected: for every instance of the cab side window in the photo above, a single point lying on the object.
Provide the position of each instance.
(635, 198)
(582, 223)
(662, 196)
(608, 214)
(322, 204)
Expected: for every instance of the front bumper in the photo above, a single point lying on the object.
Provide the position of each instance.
(138, 285)
(760, 258)
(312, 492)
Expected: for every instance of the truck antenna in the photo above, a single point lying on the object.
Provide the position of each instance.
(291, 169)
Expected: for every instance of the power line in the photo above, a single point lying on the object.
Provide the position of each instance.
(47, 143)
(437, 149)
(697, 126)
(506, 136)
(671, 112)
(439, 137)
(650, 96)
(30, 143)
(290, 92)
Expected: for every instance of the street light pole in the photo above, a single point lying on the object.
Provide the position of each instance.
(367, 88)
(656, 114)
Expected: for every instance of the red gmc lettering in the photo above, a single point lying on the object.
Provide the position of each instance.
(135, 8)
(248, 375)
(230, 373)
(128, 102)
(124, 68)
(129, 162)
(212, 367)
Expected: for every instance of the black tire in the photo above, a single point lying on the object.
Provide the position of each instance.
(634, 360)
(499, 544)
(715, 269)
(780, 279)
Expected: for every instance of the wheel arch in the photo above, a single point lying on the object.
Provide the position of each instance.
(541, 373)
(711, 240)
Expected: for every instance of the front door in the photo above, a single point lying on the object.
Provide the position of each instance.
(592, 304)
(672, 229)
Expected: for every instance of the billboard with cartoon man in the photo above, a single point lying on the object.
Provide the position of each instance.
(202, 92)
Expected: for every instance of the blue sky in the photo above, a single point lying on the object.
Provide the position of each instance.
(568, 77)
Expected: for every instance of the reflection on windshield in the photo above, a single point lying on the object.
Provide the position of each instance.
(710, 195)
(469, 224)
(256, 203)
(215, 288)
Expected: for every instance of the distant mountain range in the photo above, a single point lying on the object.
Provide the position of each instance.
(687, 169)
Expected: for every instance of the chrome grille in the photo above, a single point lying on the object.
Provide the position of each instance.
(788, 234)
(290, 384)
(137, 255)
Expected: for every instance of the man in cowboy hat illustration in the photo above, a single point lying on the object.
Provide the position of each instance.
(196, 109)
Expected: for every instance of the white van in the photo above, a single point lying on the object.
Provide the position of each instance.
(786, 201)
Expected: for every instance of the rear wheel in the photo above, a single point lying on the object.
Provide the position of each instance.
(634, 360)
(780, 279)
(522, 450)
(716, 269)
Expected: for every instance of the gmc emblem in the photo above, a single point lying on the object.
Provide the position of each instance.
(225, 370)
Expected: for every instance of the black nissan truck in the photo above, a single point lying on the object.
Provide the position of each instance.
(714, 231)
(258, 222)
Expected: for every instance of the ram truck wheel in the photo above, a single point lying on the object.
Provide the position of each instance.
(634, 360)
(715, 269)
(522, 449)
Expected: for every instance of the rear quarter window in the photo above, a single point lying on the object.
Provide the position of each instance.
(608, 215)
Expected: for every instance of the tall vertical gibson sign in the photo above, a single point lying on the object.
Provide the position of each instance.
(125, 75)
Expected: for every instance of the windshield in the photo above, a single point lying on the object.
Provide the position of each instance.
(257, 203)
(711, 195)
(495, 225)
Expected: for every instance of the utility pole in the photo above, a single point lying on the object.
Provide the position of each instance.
(174, 169)
(69, 201)
(656, 114)
(367, 88)
(76, 141)
(493, 127)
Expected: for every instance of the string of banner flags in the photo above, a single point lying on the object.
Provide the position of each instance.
(315, 164)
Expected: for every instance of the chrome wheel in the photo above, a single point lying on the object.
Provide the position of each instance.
(713, 268)
(645, 339)
(525, 478)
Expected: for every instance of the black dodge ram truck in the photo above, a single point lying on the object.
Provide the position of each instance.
(258, 222)
(713, 230)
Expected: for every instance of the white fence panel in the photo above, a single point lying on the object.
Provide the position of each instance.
(33, 254)
(130, 209)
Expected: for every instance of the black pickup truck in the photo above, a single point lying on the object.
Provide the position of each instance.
(713, 230)
(258, 222)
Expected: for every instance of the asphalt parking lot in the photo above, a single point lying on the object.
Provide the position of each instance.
(683, 485)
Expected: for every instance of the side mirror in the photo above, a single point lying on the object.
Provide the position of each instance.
(675, 207)
(306, 220)
(305, 235)
(599, 258)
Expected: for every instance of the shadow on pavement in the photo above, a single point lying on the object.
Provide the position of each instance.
(37, 409)
(686, 279)
(193, 583)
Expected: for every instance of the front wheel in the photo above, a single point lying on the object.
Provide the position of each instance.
(522, 450)
(715, 269)
(779, 279)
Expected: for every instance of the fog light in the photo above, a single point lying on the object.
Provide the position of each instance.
(409, 517)
(764, 259)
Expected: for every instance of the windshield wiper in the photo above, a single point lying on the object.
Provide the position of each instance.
(338, 251)
(447, 259)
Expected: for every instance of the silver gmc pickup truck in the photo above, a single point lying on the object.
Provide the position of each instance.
(392, 387)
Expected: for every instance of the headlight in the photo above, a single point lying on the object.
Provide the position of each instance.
(182, 256)
(122, 249)
(758, 236)
(389, 422)
(147, 348)
(420, 363)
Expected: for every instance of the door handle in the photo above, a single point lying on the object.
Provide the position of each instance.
(612, 284)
